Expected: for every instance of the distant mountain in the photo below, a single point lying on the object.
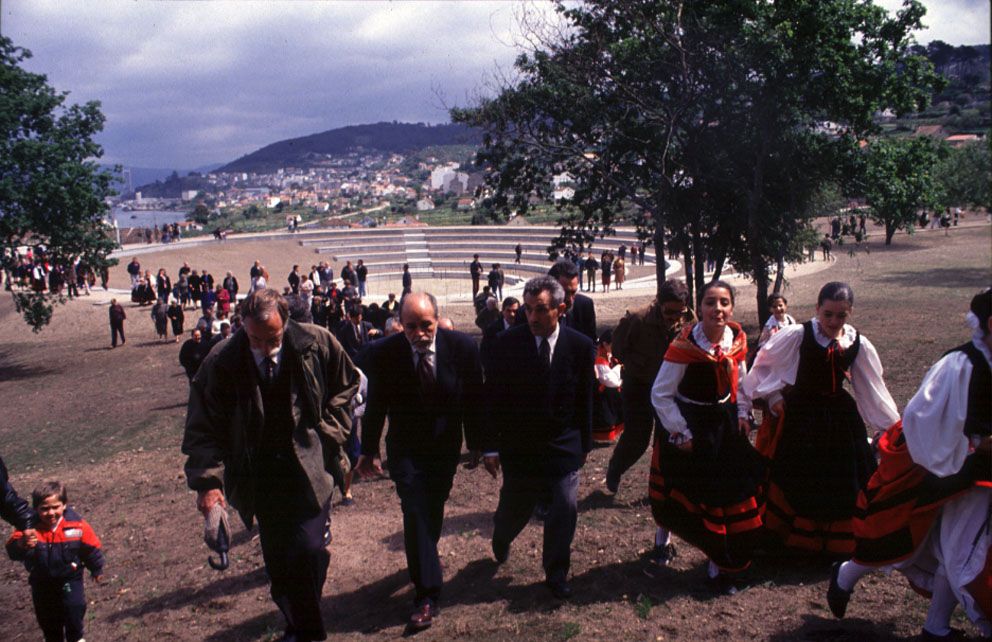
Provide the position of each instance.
(382, 137)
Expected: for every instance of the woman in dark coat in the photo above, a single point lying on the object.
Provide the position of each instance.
(176, 316)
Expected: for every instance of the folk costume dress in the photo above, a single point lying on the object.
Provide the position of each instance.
(706, 496)
(818, 451)
(926, 512)
(607, 408)
(772, 326)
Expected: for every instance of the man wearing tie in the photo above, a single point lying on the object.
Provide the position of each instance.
(580, 312)
(428, 381)
(267, 416)
(355, 334)
(539, 426)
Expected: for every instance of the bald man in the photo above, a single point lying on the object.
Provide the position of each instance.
(428, 381)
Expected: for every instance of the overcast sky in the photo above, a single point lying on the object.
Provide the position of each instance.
(184, 84)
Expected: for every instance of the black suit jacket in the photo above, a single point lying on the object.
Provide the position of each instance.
(346, 337)
(581, 317)
(541, 423)
(422, 426)
(488, 346)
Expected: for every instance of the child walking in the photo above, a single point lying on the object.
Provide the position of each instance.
(55, 554)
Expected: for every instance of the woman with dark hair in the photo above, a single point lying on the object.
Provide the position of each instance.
(813, 433)
(926, 511)
(607, 408)
(705, 475)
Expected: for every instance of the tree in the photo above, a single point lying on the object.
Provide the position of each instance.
(964, 175)
(700, 120)
(899, 180)
(52, 192)
(200, 214)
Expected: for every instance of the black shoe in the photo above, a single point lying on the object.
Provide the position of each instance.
(663, 555)
(560, 589)
(612, 482)
(837, 598)
(501, 551)
(722, 584)
(422, 616)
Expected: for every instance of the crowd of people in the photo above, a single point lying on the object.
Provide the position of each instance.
(775, 456)
(35, 270)
(795, 446)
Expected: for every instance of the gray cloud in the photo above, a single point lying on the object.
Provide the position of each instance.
(188, 83)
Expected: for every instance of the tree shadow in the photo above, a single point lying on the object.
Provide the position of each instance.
(817, 628)
(13, 371)
(973, 280)
(181, 404)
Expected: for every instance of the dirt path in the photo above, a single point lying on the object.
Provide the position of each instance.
(108, 422)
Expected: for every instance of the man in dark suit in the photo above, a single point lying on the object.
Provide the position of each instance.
(507, 319)
(580, 313)
(355, 333)
(539, 426)
(428, 381)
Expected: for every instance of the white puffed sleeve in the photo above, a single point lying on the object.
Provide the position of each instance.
(666, 385)
(875, 404)
(775, 366)
(933, 422)
(609, 377)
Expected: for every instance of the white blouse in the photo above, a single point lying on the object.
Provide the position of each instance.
(773, 325)
(777, 364)
(666, 384)
(933, 422)
(609, 377)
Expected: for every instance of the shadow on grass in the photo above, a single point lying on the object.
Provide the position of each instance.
(478, 524)
(816, 628)
(12, 371)
(226, 586)
(938, 278)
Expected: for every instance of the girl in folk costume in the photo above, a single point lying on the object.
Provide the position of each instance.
(814, 434)
(778, 306)
(705, 475)
(926, 512)
(607, 414)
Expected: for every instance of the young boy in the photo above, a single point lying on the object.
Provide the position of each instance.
(55, 555)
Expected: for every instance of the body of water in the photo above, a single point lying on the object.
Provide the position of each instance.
(146, 218)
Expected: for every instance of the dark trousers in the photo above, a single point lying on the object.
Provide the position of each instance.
(116, 329)
(60, 607)
(294, 539)
(517, 498)
(638, 425)
(423, 486)
(475, 286)
(591, 280)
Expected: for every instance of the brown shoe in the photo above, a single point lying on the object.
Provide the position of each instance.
(423, 617)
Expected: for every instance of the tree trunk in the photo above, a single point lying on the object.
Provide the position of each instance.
(890, 230)
(779, 272)
(690, 282)
(698, 260)
(720, 260)
(659, 250)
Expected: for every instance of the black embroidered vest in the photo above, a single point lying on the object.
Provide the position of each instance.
(822, 370)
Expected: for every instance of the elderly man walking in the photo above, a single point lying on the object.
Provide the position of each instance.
(267, 417)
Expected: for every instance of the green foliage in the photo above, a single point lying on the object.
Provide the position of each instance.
(51, 189)
(36, 308)
(899, 179)
(570, 630)
(643, 607)
(200, 214)
(964, 175)
(697, 121)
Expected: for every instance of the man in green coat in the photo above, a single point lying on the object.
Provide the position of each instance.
(267, 417)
